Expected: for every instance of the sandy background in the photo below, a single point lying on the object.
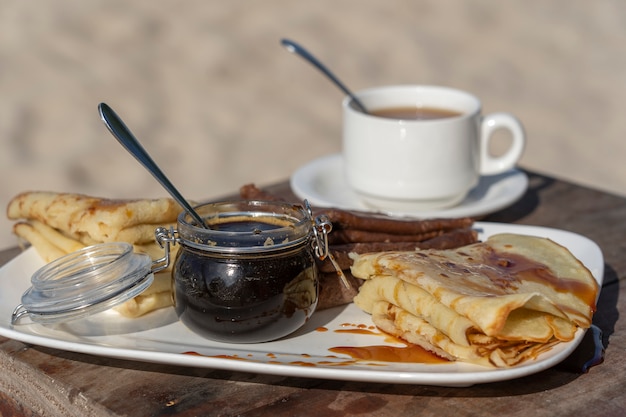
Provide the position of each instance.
(206, 87)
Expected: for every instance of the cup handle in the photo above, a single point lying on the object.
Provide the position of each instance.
(490, 165)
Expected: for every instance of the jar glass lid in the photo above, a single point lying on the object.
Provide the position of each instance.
(85, 282)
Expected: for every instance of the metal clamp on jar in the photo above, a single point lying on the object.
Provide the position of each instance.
(250, 276)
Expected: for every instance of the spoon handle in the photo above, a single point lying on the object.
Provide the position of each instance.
(125, 137)
(296, 48)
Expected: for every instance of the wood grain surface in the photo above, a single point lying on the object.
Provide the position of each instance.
(42, 381)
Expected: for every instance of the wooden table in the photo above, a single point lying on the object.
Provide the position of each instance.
(41, 381)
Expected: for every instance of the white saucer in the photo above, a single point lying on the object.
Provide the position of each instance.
(322, 182)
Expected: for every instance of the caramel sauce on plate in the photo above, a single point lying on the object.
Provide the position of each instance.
(386, 353)
(357, 329)
(374, 355)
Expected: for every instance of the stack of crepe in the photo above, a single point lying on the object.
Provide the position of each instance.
(495, 303)
(60, 223)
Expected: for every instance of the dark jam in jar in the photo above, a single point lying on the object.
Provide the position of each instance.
(250, 278)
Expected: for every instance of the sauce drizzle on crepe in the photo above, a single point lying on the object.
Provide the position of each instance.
(495, 303)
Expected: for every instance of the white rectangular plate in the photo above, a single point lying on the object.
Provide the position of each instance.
(160, 338)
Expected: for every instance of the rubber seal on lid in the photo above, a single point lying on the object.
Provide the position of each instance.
(85, 282)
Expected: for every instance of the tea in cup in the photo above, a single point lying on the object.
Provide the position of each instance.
(422, 147)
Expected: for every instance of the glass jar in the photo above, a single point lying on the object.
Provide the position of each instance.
(251, 275)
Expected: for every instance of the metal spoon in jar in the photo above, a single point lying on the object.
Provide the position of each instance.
(125, 137)
(297, 49)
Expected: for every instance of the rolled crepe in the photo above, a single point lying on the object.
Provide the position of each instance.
(50, 244)
(493, 303)
(56, 224)
(92, 219)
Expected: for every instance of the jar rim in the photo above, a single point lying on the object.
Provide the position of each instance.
(291, 226)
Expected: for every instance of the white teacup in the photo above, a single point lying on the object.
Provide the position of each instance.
(400, 163)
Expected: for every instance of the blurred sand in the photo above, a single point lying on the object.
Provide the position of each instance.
(218, 103)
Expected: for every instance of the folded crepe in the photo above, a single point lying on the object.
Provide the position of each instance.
(494, 303)
(91, 219)
(56, 224)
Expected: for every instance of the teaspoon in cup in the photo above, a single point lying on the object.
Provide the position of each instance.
(125, 137)
(297, 49)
